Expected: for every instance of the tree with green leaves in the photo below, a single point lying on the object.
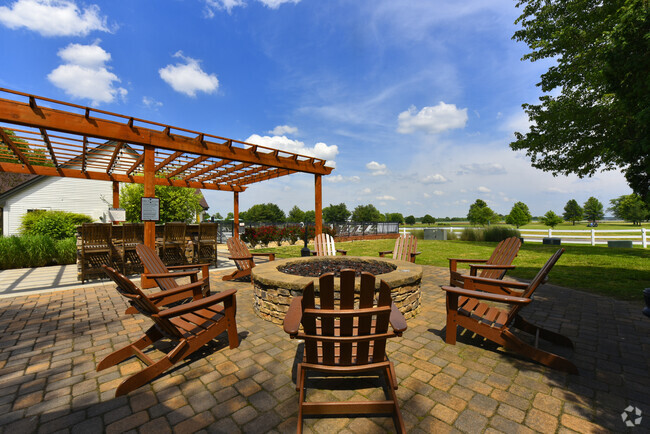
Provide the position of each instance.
(296, 215)
(35, 156)
(265, 213)
(573, 212)
(367, 213)
(394, 217)
(310, 216)
(519, 215)
(428, 220)
(230, 217)
(336, 213)
(630, 208)
(593, 209)
(409, 220)
(480, 213)
(217, 216)
(598, 116)
(551, 219)
(177, 204)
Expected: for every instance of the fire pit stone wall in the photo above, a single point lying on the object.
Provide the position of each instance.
(274, 290)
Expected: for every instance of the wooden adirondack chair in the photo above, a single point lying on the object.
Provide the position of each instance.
(164, 276)
(406, 246)
(243, 258)
(493, 268)
(346, 340)
(466, 309)
(191, 325)
(174, 243)
(324, 246)
(206, 245)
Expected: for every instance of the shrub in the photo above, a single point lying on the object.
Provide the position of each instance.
(36, 251)
(500, 233)
(266, 234)
(292, 234)
(66, 251)
(55, 224)
(250, 237)
(471, 234)
(418, 233)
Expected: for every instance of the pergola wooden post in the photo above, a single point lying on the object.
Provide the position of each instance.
(235, 220)
(116, 194)
(318, 181)
(149, 191)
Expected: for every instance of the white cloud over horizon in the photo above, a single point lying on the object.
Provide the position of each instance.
(188, 78)
(483, 169)
(282, 130)
(229, 5)
(319, 150)
(376, 169)
(432, 120)
(85, 74)
(434, 179)
(53, 17)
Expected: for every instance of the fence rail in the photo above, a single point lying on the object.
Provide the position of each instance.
(582, 236)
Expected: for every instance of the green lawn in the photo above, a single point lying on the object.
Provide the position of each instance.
(536, 225)
(619, 273)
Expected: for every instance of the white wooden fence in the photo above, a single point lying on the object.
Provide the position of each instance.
(574, 236)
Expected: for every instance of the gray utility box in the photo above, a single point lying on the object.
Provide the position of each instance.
(435, 234)
(624, 244)
(552, 241)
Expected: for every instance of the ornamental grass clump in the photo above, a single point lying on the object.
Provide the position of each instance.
(471, 234)
(28, 251)
(500, 233)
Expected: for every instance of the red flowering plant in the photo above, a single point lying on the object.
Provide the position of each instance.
(266, 234)
(292, 234)
(250, 236)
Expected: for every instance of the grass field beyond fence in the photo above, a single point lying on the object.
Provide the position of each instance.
(619, 273)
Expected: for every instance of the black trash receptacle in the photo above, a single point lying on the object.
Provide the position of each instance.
(552, 241)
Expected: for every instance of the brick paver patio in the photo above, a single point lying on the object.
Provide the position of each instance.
(51, 343)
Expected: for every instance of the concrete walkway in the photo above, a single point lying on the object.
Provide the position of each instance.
(51, 342)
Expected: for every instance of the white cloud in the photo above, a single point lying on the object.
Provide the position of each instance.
(432, 120)
(376, 168)
(434, 179)
(518, 122)
(228, 5)
(340, 178)
(53, 17)
(386, 197)
(281, 130)
(84, 75)
(319, 150)
(366, 191)
(188, 77)
(483, 169)
(438, 193)
(150, 102)
(483, 189)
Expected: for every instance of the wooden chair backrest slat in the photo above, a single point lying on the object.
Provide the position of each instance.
(174, 232)
(133, 233)
(141, 302)
(537, 281)
(238, 249)
(155, 265)
(96, 235)
(208, 232)
(324, 245)
(353, 331)
(504, 253)
(405, 245)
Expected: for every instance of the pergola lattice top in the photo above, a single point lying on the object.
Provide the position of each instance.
(56, 138)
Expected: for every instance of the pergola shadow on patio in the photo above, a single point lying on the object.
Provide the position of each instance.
(51, 343)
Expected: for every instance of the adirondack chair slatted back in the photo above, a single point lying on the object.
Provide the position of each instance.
(238, 249)
(324, 245)
(405, 245)
(537, 281)
(505, 252)
(142, 303)
(155, 265)
(345, 335)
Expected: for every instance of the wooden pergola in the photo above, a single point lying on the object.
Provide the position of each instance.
(56, 138)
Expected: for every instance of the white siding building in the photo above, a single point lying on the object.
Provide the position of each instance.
(92, 198)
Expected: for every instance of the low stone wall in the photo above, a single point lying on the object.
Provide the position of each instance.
(274, 290)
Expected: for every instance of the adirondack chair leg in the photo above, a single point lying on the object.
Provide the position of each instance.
(152, 335)
(544, 357)
(452, 313)
(230, 312)
(547, 335)
(398, 420)
(237, 274)
(144, 376)
(300, 385)
(299, 373)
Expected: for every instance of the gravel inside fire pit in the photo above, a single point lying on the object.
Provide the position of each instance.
(317, 268)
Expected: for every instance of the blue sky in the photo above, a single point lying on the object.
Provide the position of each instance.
(414, 103)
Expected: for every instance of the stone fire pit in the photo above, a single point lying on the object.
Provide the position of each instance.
(273, 289)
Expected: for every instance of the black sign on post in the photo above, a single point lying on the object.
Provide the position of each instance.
(150, 209)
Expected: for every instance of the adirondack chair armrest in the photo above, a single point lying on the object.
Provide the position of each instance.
(385, 253)
(192, 289)
(271, 256)
(342, 252)
(240, 258)
(293, 317)
(453, 291)
(174, 274)
(471, 280)
(397, 320)
(186, 267)
(313, 252)
(473, 268)
(199, 304)
(414, 254)
(453, 262)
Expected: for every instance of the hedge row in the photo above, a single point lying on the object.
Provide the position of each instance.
(266, 234)
(36, 251)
